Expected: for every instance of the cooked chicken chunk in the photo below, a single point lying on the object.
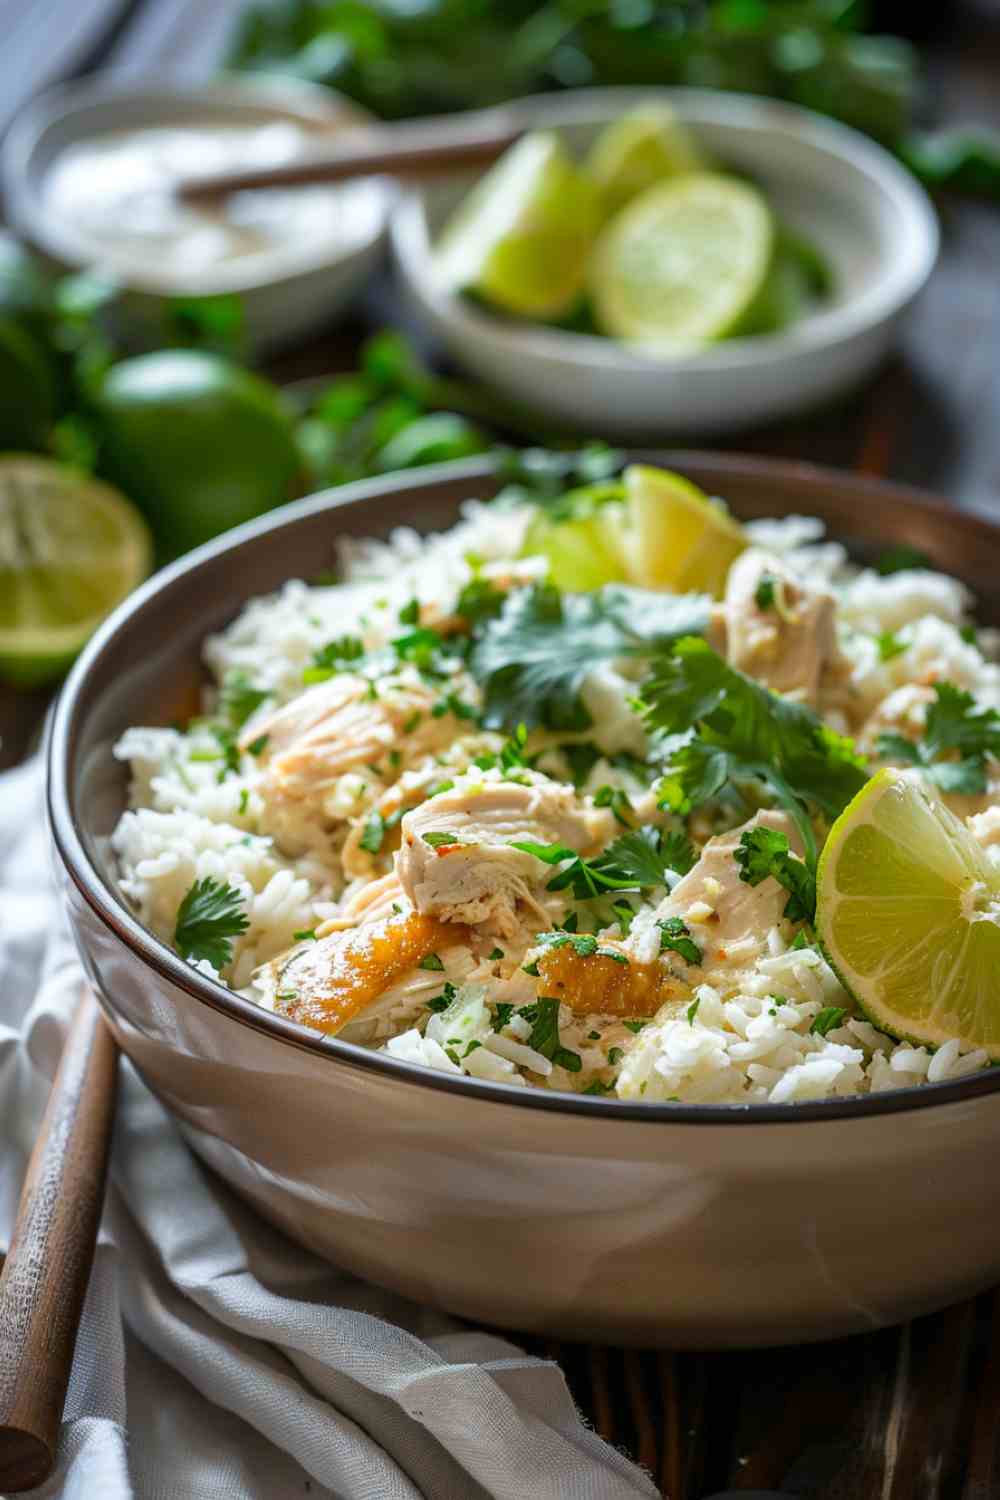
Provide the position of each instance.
(778, 630)
(457, 861)
(329, 983)
(727, 918)
(339, 726)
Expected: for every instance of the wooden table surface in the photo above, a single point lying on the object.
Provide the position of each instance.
(904, 1414)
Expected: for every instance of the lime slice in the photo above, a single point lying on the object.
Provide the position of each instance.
(583, 552)
(908, 912)
(675, 537)
(70, 549)
(640, 149)
(684, 262)
(522, 237)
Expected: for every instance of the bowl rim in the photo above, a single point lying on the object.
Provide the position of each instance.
(111, 911)
(918, 236)
(21, 180)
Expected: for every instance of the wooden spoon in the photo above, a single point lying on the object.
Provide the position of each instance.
(407, 150)
(45, 1277)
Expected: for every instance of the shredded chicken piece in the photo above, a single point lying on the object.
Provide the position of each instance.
(729, 919)
(779, 630)
(327, 983)
(334, 728)
(478, 877)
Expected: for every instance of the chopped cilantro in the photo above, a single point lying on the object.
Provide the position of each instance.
(692, 1010)
(721, 727)
(675, 937)
(954, 722)
(635, 1026)
(634, 861)
(239, 698)
(502, 1014)
(593, 1036)
(532, 658)
(617, 800)
(208, 918)
(531, 969)
(889, 645)
(581, 759)
(338, 655)
(902, 559)
(543, 1017)
(257, 746)
(801, 941)
(441, 1002)
(584, 944)
(479, 600)
(431, 961)
(624, 915)
(828, 1020)
(615, 1055)
(374, 832)
(244, 799)
(307, 935)
(410, 724)
(766, 851)
(563, 1057)
(764, 592)
(970, 635)
(599, 1088)
(471, 1047)
(495, 954)
(410, 613)
(440, 838)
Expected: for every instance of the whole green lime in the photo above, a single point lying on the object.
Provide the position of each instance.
(198, 442)
(27, 389)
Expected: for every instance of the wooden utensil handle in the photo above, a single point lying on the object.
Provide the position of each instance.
(413, 151)
(44, 1280)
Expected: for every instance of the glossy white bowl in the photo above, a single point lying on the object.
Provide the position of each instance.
(282, 305)
(868, 215)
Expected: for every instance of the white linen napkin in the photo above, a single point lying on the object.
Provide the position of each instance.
(217, 1360)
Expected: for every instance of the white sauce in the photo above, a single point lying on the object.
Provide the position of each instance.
(112, 193)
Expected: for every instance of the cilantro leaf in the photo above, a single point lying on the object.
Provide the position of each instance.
(440, 839)
(766, 851)
(889, 645)
(531, 659)
(902, 559)
(954, 721)
(339, 655)
(634, 861)
(719, 726)
(584, 944)
(373, 833)
(544, 1018)
(675, 937)
(239, 698)
(208, 918)
(764, 592)
(827, 1020)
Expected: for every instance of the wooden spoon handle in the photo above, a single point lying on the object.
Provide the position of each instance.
(44, 1280)
(419, 149)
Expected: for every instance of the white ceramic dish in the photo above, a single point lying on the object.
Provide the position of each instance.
(869, 216)
(284, 302)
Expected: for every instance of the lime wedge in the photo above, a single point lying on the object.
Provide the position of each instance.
(70, 549)
(675, 537)
(908, 912)
(640, 149)
(522, 237)
(684, 263)
(583, 552)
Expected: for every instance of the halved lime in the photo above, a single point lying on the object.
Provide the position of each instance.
(522, 237)
(70, 549)
(675, 537)
(685, 262)
(908, 912)
(640, 149)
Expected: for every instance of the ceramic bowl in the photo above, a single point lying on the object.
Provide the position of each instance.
(687, 1225)
(866, 213)
(280, 307)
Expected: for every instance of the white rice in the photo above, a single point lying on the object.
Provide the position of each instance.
(751, 1043)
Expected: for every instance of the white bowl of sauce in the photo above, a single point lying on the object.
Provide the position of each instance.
(88, 175)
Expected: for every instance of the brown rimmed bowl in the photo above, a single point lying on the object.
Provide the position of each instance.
(689, 1225)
